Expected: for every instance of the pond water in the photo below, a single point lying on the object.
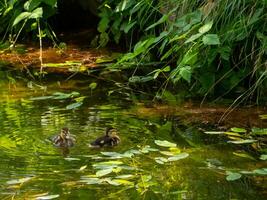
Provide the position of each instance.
(138, 168)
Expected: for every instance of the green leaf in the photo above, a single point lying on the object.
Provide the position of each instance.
(160, 21)
(193, 37)
(164, 143)
(107, 164)
(185, 73)
(112, 154)
(104, 172)
(246, 141)
(206, 27)
(90, 181)
(244, 155)
(123, 182)
(262, 171)
(37, 13)
(19, 181)
(74, 105)
(238, 130)
(161, 160)
(214, 132)
(263, 157)
(232, 176)
(93, 85)
(22, 16)
(178, 157)
(103, 24)
(211, 39)
(48, 197)
(41, 98)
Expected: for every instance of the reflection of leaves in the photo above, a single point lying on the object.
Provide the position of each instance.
(232, 176)
(74, 105)
(165, 143)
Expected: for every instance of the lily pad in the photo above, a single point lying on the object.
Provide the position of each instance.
(178, 157)
(161, 160)
(165, 143)
(263, 157)
(232, 176)
(91, 181)
(262, 171)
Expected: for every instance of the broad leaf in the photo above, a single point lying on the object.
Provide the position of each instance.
(232, 176)
(211, 39)
(164, 143)
(247, 141)
(238, 130)
(178, 157)
(74, 105)
(205, 28)
(104, 172)
(193, 38)
(22, 16)
(48, 197)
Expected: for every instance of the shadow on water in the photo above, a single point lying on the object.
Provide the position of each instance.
(32, 168)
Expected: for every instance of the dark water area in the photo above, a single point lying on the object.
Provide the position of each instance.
(32, 168)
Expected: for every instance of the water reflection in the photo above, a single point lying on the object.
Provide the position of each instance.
(31, 166)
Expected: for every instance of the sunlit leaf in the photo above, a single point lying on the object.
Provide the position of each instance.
(123, 182)
(48, 197)
(104, 172)
(90, 181)
(83, 168)
(178, 157)
(41, 98)
(111, 182)
(74, 105)
(19, 181)
(214, 132)
(167, 153)
(232, 176)
(71, 159)
(164, 143)
(125, 176)
(161, 160)
(112, 154)
(22, 16)
(93, 85)
(262, 171)
(244, 155)
(263, 157)
(233, 134)
(238, 130)
(147, 149)
(206, 27)
(107, 164)
(247, 141)
(193, 37)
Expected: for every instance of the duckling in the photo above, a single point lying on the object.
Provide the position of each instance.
(64, 139)
(110, 139)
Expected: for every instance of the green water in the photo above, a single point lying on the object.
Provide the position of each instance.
(31, 167)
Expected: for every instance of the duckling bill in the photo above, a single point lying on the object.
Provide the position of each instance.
(109, 139)
(64, 139)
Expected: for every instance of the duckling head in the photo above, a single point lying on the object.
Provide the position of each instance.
(65, 133)
(112, 133)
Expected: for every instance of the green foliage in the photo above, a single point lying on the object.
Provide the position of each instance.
(213, 47)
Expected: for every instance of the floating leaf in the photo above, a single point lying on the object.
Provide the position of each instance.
(74, 105)
(214, 132)
(263, 157)
(111, 182)
(41, 98)
(48, 197)
(83, 168)
(238, 130)
(233, 134)
(244, 155)
(232, 176)
(90, 181)
(167, 153)
(161, 160)
(178, 157)
(262, 171)
(263, 116)
(123, 182)
(125, 176)
(71, 159)
(247, 141)
(147, 149)
(108, 164)
(165, 143)
(259, 131)
(112, 154)
(19, 181)
(104, 172)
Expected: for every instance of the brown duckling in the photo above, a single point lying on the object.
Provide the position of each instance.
(64, 139)
(110, 139)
